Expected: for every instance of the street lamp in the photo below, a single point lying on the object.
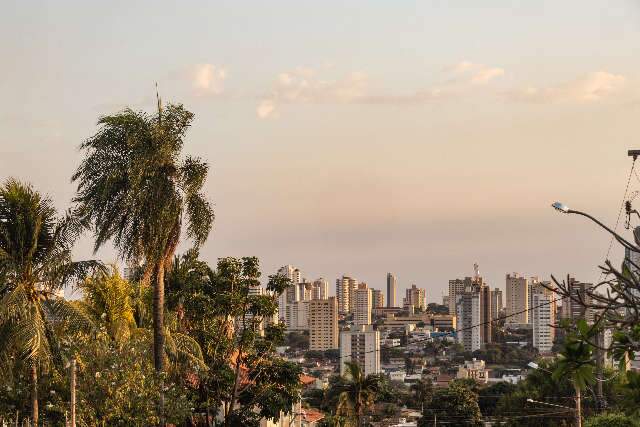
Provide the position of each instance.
(562, 208)
(550, 404)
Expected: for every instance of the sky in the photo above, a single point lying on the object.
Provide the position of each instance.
(356, 138)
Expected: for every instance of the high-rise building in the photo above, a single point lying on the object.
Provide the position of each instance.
(467, 309)
(323, 324)
(345, 288)
(543, 318)
(415, 297)
(571, 308)
(517, 299)
(292, 293)
(361, 345)
(297, 316)
(486, 311)
(362, 307)
(305, 291)
(392, 284)
(455, 286)
(378, 298)
(497, 302)
(320, 289)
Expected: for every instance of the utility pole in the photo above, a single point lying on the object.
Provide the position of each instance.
(72, 380)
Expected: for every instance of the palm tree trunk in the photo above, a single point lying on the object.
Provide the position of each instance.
(578, 407)
(72, 375)
(34, 394)
(158, 334)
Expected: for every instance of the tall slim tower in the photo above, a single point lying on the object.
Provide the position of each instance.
(392, 283)
(517, 298)
(363, 303)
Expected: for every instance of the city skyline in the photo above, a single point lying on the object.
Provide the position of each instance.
(442, 148)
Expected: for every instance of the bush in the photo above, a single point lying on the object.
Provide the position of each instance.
(612, 420)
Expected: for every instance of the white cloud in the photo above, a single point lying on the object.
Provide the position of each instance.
(208, 79)
(303, 86)
(477, 74)
(591, 87)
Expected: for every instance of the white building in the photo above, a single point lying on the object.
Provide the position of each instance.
(320, 289)
(543, 318)
(345, 287)
(363, 304)
(297, 316)
(293, 292)
(361, 345)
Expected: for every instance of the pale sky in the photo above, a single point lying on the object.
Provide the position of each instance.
(352, 137)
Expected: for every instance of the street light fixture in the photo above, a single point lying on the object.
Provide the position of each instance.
(561, 207)
(550, 404)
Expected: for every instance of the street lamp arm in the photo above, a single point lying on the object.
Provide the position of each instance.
(550, 404)
(619, 238)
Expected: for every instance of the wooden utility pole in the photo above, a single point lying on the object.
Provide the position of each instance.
(72, 380)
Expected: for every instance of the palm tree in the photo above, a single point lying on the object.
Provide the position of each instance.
(135, 189)
(35, 263)
(358, 392)
(576, 362)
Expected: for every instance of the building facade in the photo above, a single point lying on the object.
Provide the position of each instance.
(468, 319)
(517, 288)
(361, 345)
(415, 297)
(378, 298)
(323, 324)
(362, 307)
(392, 284)
(543, 318)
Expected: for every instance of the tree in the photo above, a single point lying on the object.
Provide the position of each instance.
(135, 189)
(357, 393)
(612, 420)
(488, 397)
(233, 321)
(35, 263)
(576, 363)
(456, 404)
(422, 393)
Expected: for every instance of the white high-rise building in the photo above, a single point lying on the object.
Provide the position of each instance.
(292, 293)
(345, 288)
(323, 324)
(517, 299)
(297, 316)
(497, 302)
(363, 304)
(362, 345)
(320, 289)
(468, 319)
(378, 298)
(543, 318)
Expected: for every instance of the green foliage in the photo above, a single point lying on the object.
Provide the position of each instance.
(612, 420)
(575, 360)
(456, 404)
(357, 393)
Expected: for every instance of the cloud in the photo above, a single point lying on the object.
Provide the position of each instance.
(477, 74)
(208, 79)
(303, 86)
(591, 87)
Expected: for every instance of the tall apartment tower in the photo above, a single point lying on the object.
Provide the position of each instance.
(571, 309)
(392, 284)
(361, 345)
(320, 289)
(467, 310)
(497, 302)
(455, 286)
(543, 318)
(517, 299)
(345, 288)
(415, 297)
(362, 306)
(378, 298)
(292, 293)
(487, 310)
(323, 324)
